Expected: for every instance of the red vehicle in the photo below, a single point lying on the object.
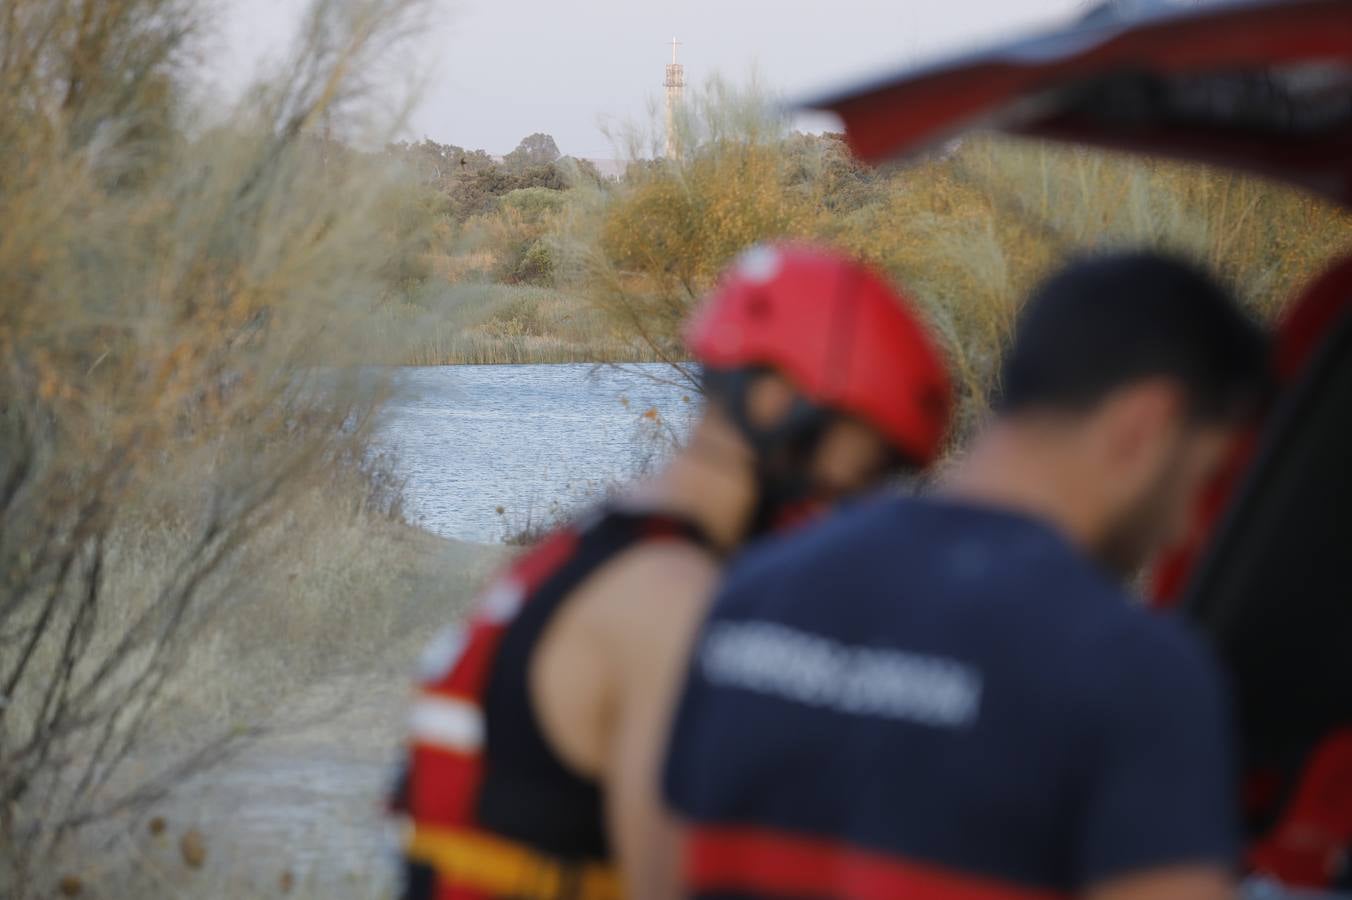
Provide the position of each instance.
(1264, 87)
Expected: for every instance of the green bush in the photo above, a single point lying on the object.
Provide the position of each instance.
(534, 203)
(536, 265)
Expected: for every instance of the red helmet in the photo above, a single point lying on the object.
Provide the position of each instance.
(838, 332)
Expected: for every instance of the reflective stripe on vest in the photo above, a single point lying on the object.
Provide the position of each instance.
(447, 719)
(771, 863)
(501, 868)
(450, 769)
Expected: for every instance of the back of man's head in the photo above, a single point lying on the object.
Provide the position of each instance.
(1108, 321)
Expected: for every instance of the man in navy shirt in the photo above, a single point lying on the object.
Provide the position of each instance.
(953, 697)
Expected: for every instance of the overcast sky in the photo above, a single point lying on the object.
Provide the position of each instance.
(501, 69)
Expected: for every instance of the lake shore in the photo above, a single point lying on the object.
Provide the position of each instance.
(298, 809)
(311, 653)
(490, 323)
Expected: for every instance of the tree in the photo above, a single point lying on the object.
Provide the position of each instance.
(478, 192)
(534, 150)
(579, 171)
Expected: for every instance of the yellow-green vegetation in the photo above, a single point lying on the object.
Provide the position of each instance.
(617, 266)
(967, 233)
(479, 284)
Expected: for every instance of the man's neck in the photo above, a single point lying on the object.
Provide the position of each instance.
(1012, 468)
(709, 482)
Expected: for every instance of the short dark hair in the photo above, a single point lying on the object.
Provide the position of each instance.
(1106, 321)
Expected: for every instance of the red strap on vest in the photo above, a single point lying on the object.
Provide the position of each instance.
(1308, 845)
(772, 863)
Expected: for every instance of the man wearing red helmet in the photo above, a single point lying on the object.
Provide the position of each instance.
(538, 726)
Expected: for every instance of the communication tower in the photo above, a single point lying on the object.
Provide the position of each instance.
(675, 85)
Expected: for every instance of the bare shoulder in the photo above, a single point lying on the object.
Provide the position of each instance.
(617, 646)
(649, 588)
(668, 565)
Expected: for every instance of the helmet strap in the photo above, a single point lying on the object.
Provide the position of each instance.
(783, 452)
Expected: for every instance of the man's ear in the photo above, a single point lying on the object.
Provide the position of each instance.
(1141, 421)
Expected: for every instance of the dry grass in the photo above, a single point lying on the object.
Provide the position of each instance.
(311, 661)
(485, 323)
(317, 641)
(971, 234)
(355, 590)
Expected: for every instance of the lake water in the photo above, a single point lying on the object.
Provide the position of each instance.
(473, 439)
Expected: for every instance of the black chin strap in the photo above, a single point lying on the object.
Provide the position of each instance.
(783, 452)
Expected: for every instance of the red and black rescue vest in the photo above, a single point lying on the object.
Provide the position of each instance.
(493, 810)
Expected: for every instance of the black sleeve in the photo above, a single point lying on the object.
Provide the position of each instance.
(1161, 788)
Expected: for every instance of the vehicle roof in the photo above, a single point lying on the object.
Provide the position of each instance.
(1259, 85)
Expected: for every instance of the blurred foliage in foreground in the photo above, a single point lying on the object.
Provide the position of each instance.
(180, 300)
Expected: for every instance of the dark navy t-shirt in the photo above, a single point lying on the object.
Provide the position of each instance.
(952, 687)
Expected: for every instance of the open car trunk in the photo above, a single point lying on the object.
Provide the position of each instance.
(1264, 86)
(1276, 588)
(1272, 589)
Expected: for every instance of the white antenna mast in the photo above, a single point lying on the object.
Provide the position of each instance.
(675, 85)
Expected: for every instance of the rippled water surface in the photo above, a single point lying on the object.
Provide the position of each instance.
(471, 439)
